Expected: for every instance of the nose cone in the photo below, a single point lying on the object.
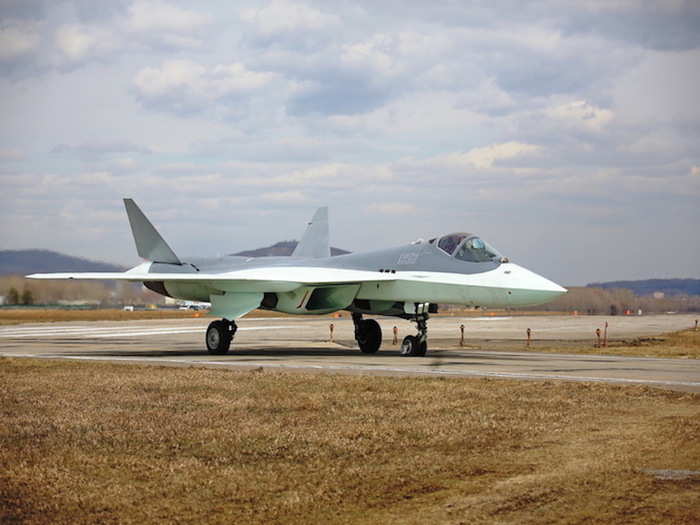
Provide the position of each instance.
(532, 288)
(546, 285)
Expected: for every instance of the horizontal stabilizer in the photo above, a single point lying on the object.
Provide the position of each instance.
(314, 244)
(149, 243)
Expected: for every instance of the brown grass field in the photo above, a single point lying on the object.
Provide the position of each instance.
(11, 316)
(110, 443)
(684, 344)
(49, 315)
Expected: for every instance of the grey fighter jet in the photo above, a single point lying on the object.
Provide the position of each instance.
(407, 281)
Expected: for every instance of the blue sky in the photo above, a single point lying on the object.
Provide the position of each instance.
(566, 134)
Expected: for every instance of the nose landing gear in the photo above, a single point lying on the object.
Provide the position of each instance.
(417, 345)
(219, 336)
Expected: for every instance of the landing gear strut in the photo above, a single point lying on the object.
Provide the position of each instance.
(219, 336)
(368, 334)
(417, 344)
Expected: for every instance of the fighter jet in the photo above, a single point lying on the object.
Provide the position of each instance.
(408, 281)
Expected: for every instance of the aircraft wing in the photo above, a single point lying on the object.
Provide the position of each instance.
(294, 275)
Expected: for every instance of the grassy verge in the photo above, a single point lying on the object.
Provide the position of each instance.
(684, 344)
(50, 315)
(93, 442)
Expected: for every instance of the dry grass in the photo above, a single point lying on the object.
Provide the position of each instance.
(57, 315)
(684, 344)
(89, 442)
(46, 315)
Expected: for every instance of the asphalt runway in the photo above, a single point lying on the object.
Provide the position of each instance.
(297, 343)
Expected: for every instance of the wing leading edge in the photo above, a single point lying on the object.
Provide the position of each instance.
(299, 275)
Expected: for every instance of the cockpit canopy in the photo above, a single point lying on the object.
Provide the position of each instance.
(467, 247)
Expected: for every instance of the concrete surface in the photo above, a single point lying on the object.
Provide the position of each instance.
(293, 343)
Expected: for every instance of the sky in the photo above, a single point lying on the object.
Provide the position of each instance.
(566, 134)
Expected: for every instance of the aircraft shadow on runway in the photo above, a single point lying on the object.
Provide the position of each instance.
(437, 358)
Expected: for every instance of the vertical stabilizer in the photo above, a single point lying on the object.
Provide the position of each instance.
(314, 243)
(149, 244)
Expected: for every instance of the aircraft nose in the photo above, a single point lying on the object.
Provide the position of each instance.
(546, 285)
(535, 289)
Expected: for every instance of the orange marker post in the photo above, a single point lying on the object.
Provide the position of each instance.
(396, 336)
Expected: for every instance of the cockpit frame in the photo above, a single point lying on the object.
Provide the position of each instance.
(467, 247)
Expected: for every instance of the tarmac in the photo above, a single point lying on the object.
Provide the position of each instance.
(299, 343)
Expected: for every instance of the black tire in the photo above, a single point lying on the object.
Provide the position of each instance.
(411, 346)
(408, 345)
(218, 337)
(370, 338)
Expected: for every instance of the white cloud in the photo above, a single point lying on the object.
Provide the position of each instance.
(581, 113)
(159, 16)
(375, 54)
(284, 196)
(194, 84)
(17, 40)
(663, 87)
(78, 42)
(281, 16)
(392, 208)
(485, 157)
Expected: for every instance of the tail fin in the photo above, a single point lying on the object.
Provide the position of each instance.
(314, 243)
(149, 244)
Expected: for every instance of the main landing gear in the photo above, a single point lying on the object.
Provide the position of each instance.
(417, 344)
(368, 334)
(219, 336)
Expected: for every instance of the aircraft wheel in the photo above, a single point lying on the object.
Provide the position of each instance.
(218, 337)
(371, 338)
(411, 346)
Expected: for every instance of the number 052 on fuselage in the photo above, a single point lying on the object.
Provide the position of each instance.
(406, 281)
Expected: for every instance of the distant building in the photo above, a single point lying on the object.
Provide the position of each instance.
(658, 295)
(2, 299)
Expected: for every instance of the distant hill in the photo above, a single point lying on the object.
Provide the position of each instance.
(279, 249)
(649, 286)
(23, 262)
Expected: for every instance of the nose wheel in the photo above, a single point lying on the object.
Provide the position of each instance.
(417, 345)
(219, 336)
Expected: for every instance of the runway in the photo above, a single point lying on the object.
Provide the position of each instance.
(303, 344)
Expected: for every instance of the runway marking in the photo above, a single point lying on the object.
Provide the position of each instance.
(362, 368)
(118, 331)
(185, 331)
(38, 332)
(487, 319)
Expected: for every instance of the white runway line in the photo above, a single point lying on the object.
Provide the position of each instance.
(86, 330)
(200, 329)
(117, 331)
(361, 368)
